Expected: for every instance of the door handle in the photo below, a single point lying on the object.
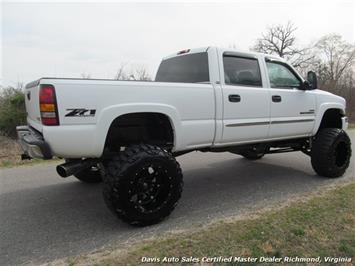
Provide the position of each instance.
(276, 98)
(234, 98)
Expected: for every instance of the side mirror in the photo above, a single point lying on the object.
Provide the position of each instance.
(305, 86)
(312, 79)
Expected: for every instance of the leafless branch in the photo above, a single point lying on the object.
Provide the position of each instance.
(280, 40)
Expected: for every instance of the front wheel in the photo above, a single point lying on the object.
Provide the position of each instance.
(142, 184)
(331, 152)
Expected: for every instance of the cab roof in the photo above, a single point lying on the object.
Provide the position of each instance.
(222, 49)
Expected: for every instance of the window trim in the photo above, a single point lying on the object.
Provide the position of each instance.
(235, 55)
(268, 60)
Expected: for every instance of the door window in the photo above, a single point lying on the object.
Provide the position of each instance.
(281, 76)
(241, 71)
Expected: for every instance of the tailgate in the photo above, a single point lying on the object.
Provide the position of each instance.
(32, 101)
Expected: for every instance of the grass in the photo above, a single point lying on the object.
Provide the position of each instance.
(351, 125)
(10, 154)
(323, 226)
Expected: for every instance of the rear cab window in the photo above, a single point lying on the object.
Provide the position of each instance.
(187, 68)
(241, 71)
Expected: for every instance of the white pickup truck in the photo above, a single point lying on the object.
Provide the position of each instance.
(128, 133)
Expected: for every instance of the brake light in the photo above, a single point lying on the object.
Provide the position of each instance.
(48, 106)
(183, 51)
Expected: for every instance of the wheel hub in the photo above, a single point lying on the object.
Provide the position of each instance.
(147, 189)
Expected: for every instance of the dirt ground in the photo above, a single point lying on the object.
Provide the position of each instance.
(10, 152)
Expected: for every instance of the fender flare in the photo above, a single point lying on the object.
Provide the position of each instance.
(321, 111)
(109, 114)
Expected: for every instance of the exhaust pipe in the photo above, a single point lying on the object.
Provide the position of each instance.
(73, 167)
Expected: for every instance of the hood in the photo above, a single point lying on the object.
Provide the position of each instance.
(325, 96)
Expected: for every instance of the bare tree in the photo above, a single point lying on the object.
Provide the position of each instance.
(20, 85)
(335, 59)
(140, 73)
(280, 40)
(135, 73)
(335, 66)
(121, 72)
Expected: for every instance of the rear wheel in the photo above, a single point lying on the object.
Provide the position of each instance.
(142, 184)
(331, 152)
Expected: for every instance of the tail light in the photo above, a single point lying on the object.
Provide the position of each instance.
(48, 106)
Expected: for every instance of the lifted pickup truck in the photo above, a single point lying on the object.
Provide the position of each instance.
(128, 133)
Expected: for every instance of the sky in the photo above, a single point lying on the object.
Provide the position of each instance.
(64, 39)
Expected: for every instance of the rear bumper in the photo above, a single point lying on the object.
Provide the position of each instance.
(32, 143)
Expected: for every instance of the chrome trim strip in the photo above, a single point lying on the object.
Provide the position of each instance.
(266, 123)
(247, 124)
(307, 113)
(292, 121)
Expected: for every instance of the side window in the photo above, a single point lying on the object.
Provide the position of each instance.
(281, 76)
(241, 71)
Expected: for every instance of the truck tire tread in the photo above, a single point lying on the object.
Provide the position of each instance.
(119, 170)
(325, 150)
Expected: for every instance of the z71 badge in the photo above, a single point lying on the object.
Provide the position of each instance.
(81, 112)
